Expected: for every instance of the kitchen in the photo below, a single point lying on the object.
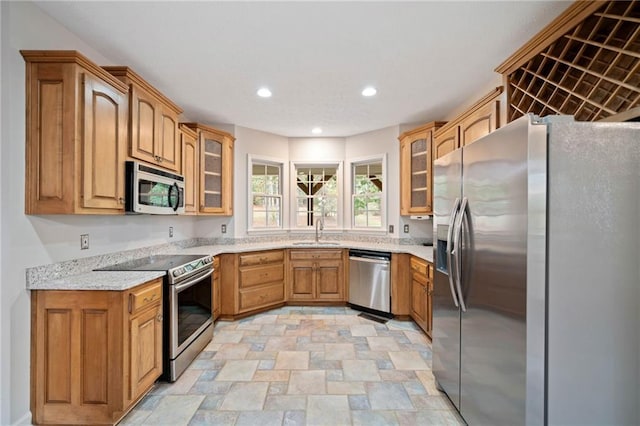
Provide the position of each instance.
(38, 240)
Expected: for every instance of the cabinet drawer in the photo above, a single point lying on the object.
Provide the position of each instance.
(261, 275)
(418, 265)
(261, 258)
(145, 295)
(261, 296)
(315, 254)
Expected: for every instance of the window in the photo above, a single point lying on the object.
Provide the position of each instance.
(266, 195)
(316, 189)
(368, 194)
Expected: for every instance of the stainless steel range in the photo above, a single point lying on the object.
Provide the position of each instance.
(188, 325)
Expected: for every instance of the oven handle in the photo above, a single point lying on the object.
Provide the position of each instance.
(182, 286)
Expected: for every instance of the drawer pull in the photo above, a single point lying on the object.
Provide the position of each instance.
(149, 299)
(264, 259)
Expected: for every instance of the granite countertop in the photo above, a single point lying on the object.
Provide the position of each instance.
(122, 280)
(99, 280)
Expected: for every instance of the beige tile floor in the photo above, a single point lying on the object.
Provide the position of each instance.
(304, 365)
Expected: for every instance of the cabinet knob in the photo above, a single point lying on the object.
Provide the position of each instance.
(159, 317)
(120, 200)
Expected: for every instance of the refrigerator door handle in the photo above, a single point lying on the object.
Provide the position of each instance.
(456, 250)
(450, 263)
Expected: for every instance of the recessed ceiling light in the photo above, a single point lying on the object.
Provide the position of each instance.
(316, 130)
(263, 92)
(369, 91)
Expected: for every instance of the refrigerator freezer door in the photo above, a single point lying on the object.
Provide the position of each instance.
(493, 259)
(447, 189)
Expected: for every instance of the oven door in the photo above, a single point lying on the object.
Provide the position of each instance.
(189, 311)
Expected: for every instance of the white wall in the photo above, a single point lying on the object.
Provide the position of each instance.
(257, 143)
(36, 240)
(378, 142)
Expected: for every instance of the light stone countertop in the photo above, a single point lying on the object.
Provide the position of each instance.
(100, 280)
(123, 280)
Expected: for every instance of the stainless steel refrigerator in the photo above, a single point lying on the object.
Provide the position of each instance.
(537, 284)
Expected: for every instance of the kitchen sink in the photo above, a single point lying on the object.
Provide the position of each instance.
(313, 243)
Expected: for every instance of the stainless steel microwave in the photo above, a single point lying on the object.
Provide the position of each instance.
(153, 191)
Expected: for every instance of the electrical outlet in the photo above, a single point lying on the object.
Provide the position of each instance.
(171, 232)
(223, 228)
(406, 228)
(391, 229)
(84, 242)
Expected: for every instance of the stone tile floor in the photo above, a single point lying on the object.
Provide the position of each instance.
(304, 365)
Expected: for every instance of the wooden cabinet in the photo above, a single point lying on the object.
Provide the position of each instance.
(153, 122)
(93, 353)
(316, 275)
(415, 169)
(145, 337)
(252, 281)
(76, 135)
(421, 290)
(479, 120)
(216, 303)
(215, 170)
(190, 168)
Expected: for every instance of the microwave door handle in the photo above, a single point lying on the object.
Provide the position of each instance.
(171, 189)
(449, 252)
(457, 249)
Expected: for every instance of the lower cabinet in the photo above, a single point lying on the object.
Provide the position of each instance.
(251, 281)
(216, 294)
(421, 290)
(93, 353)
(317, 275)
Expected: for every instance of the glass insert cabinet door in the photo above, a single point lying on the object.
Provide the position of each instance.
(416, 161)
(216, 170)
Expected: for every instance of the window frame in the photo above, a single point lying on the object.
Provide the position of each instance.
(382, 158)
(265, 161)
(338, 164)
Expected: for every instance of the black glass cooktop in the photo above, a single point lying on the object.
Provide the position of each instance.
(161, 262)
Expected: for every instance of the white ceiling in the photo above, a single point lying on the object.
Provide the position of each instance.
(425, 58)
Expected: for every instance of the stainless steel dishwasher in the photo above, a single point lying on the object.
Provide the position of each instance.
(369, 281)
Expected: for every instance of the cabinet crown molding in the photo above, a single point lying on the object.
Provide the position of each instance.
(188, 130)
(73, 57)
(479, 104)
(434, 125)
(128, 76)
(571, 16)
(202, 127)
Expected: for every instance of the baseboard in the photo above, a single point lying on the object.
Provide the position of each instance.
(24, 420)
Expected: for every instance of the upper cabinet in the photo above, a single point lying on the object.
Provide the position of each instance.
(153, 122)
(416, 153)
(190, 169)
(585, 63)
(215, 170)
(76, 135)
(479, 120)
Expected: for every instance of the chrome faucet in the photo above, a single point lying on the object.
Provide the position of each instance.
(320, 224)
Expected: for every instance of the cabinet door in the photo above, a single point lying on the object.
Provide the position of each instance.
(301, 284)
(145, 115)
(418, 300)
(211, 185)
(445, 142)
(329, 280)
(104, 143)
(191, 173)
(168, 148)
(216, 303)
(419, 175)
(482, 122)
(146, 349)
